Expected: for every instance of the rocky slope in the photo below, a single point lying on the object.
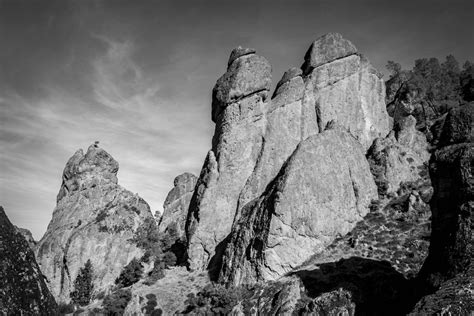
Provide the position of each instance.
(28, 236)
(255, 135)
(23, 289)
(95, 219)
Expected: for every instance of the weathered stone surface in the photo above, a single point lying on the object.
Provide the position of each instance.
(458, 126)
(28, 236)
(175, 208)
(288, 75)
(239, 52)
(247, 75)
(320, 193)
(23, 289)
(254, 138)
(94, 219)
(327, 48)
(452, 206)
(400, 157)
(454, 297)
(349, 91)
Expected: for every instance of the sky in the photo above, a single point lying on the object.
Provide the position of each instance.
(137, 76)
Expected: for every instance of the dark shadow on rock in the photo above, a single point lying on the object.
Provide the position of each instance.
(215, 264)
(376, 287)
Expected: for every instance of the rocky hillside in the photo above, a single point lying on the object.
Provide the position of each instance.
(23, 289)
(95, 219)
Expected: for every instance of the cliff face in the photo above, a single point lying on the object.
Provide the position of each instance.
(449, 266)
(94, 219)
(23, 289)
(255, 136)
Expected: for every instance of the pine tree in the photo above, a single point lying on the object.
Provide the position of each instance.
(83, 285)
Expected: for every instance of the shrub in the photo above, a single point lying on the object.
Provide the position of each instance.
(130, 274)
(115, 303)
(213, 299)
(83, 285)
(65, 308)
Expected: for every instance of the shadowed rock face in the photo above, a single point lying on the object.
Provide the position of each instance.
(23, 288)
(255, 136)
(449, 264)
(94, 219)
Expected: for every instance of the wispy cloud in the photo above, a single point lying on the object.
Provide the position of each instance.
(147, 134)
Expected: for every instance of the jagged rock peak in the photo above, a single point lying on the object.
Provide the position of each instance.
(247, 75)
(23, 289)
(327, 48)
(95, 219)
(176, 203)
(288, 75)
(88, 170)
(239, 52)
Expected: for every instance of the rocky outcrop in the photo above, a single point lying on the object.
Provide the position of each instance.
(323, 190)
(175, 208)
(254, 136)
(400, 157)
(28, 236)
(23, 289)
(95, 219)
(448, 270)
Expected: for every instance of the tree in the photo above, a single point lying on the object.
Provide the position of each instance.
(83, 285)
(130, 274)
(467, 81)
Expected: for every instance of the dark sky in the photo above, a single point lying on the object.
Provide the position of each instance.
(137, 76)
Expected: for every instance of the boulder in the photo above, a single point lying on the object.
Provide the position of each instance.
(458, 126)
(323, 190)
(399, 158)
(95, 219)
(327, 48)
(23, 288)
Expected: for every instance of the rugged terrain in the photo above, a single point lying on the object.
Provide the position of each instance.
(23, 289)
(95, 219)
(312, 200)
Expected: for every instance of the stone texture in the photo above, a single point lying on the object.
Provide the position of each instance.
(23, 289)
(452, 205)
(94, 219)
(239, 52)
(351, 92)
(327, 48)
(246, 75)
(320, 193)
(254, 136)
(399, 158)
(458, 126)
(175, 208)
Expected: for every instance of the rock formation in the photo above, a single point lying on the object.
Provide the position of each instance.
(28, 236)
(175, 208)
(255, 136)
(449, 266)
(23, 289)
(321, 192)
(94, 219)
(400, 157)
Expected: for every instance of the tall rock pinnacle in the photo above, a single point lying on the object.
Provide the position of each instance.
(255, 136)
(94, 219)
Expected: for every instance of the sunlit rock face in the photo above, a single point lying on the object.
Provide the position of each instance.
(23, 289)
(256, 135)
(322, 191)
(95, 219)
